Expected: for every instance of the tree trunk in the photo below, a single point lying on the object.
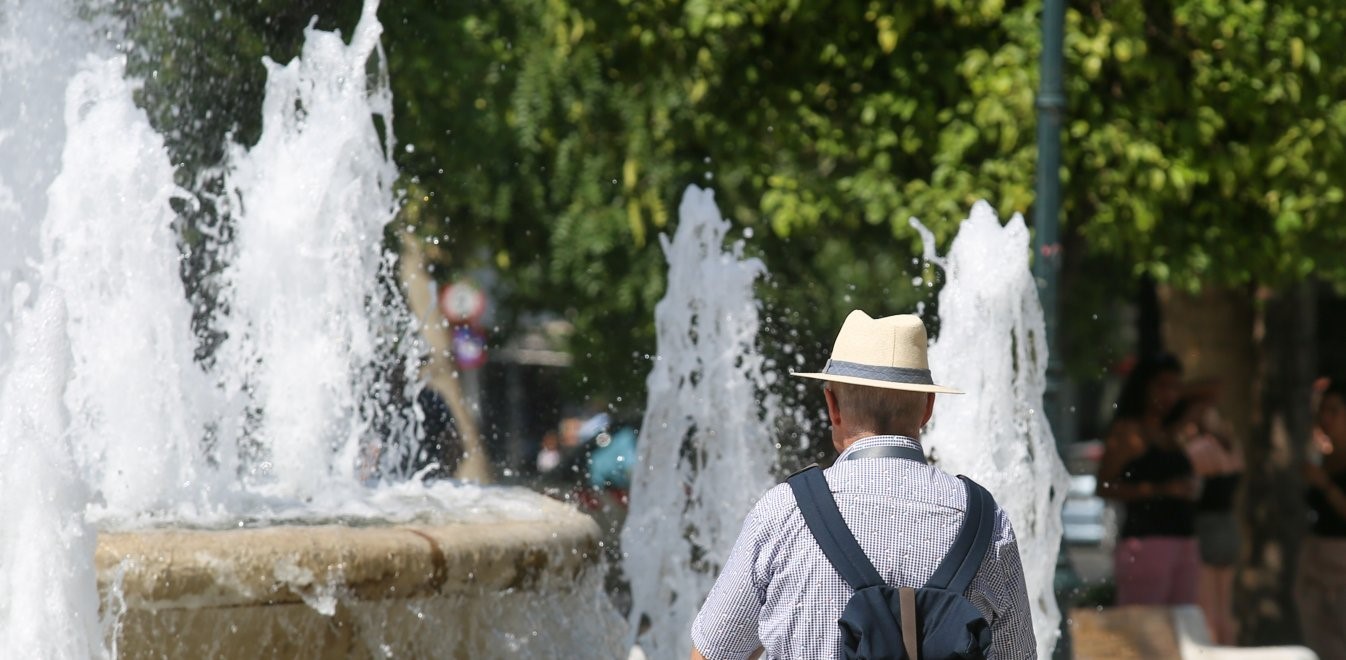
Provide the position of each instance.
(442, 372)
(1273, 504)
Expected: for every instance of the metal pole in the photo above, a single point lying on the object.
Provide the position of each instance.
(1051, 103)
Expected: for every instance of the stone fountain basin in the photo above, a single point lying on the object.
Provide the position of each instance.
(328, 591)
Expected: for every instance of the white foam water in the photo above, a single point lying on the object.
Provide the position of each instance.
(48, 597)
(102, 395)
(311, 318)
(105, 417)
(304, 312)
(42, 42)
(706, 449)
(135, 395)
(992, 345)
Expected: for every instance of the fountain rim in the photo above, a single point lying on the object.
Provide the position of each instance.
(167, 568)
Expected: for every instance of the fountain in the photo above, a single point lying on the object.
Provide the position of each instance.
(40, 42)
(303, 311)
(706, 447)
(256, 504)
(708, 437)
(47, 572)
(108, 258)
(992, 345)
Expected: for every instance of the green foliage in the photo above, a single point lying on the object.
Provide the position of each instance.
(551, 139)
(1203, 141)
(1205, 138)
(569, 129)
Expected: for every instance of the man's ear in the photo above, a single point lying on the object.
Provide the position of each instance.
(929, 409)
(833, 410)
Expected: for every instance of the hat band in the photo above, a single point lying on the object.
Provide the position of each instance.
(889, 374)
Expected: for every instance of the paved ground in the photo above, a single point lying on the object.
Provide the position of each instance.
(1123, 633)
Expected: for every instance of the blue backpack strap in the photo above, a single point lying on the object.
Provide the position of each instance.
(964, 558)
(829, 529)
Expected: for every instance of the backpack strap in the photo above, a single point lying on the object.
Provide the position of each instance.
(910, 632)
(829, 529)
(964, 558)
(888, 451)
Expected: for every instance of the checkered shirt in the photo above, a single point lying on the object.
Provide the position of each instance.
(778, 591)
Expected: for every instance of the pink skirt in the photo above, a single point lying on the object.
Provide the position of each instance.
(1156, 570)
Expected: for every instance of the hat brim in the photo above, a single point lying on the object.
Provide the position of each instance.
(885, 384)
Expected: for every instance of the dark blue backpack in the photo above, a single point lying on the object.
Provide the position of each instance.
(883, 622)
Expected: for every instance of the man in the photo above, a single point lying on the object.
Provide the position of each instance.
(779, 594)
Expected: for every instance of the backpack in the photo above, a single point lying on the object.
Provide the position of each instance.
(933, 622)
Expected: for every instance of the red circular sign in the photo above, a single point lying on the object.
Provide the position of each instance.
(462, 302)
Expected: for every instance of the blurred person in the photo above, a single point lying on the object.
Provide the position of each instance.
(570, 433)
(596, 470)
(571, 472)
(1320, 591)
(441, 448)
(595, 474)
(1219, 464)
(549, 455)
(612, 460)
(1146, 469)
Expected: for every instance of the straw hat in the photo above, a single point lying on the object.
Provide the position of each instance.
(887, 352)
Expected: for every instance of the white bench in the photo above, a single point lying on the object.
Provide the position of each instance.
(1194, 641)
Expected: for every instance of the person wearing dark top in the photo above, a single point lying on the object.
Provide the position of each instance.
(1146, 469)
(1321, 589)
(1219, 463)
(441, 449)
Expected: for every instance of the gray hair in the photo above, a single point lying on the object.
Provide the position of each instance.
(880, 411)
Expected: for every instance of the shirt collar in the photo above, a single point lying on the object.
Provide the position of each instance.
(880, 441)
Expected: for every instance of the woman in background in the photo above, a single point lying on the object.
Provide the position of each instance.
(1321, 589)
(1144, 467)
(1219, 463)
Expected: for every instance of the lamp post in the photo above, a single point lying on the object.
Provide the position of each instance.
(1051, 103)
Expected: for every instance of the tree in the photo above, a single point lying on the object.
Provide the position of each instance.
(1203, 138)
(568, 129)
(1204, 148)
